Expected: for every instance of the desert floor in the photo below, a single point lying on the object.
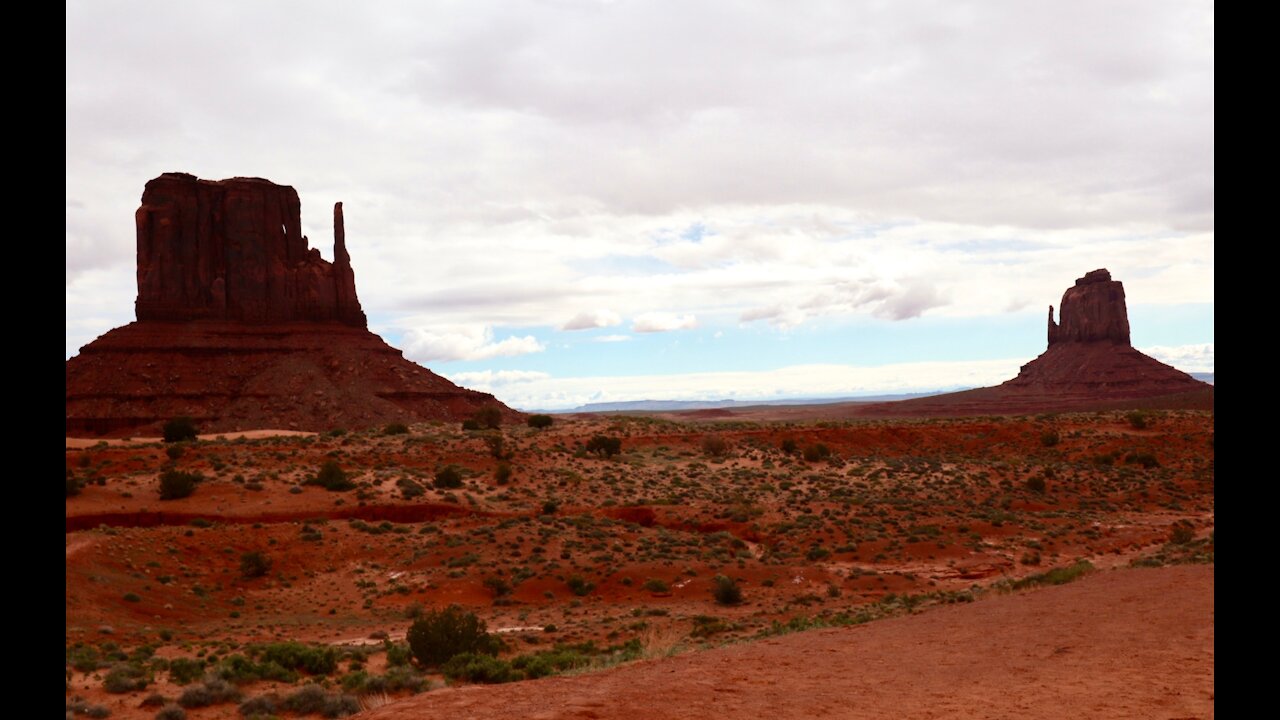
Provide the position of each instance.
(865, 527)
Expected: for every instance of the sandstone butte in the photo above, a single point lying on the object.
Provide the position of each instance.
(240, 324)
(1089, 364)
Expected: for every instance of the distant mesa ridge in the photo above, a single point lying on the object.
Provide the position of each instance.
(242, 325)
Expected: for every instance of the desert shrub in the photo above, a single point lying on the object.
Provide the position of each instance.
(1036, 484)
(213, 691)
(580, 586)
(124, 678)
(409, 489)
(171, 712)
(179, 429)
(312, 659)
(154, 700)
(396, 679)
(240, 669)
(448, 477)
(184, 671)
(254, 564)
(332, 477)
(1182, 532)
(84, 658)
(489, 416)
(1138, 420)
(604, 446)
(499, 586)
(497, 446)
(440, 634)
(656, 585)
(540, 421)
(550, 507)
(1144, 459)
(395, 429)
(1050, 438)
(470, 424)
(312, 699)
(262, 705)
(176, 484)
(397, 654)
(502, 473)
(725, 590)
(1056, 576)
(175, 452)
(817, 552)
(816, 452)
(73, 485)
(714, 446)
(479, 668)
(789, 446)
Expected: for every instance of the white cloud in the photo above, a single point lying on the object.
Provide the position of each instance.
(663, 322)
(1188, 358)
(797, 381)
(464, 343)
(490, 380)
(507, 165)
(611, 338)
(592, 319)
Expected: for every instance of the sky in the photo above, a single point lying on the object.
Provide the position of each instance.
(573, 201)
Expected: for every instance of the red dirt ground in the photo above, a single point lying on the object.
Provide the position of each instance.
(1123, 644)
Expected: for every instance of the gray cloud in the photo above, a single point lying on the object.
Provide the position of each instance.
(484, 147)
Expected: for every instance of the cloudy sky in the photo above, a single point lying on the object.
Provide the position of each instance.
(572, 201)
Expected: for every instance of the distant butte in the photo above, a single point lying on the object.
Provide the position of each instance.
(1088, 365)
(242, 325)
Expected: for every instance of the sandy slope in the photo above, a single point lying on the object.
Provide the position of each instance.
(1121, 644)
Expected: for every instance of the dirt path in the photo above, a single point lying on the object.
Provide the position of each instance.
(1119, 644)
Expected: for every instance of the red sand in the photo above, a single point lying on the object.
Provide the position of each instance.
(1121, 644)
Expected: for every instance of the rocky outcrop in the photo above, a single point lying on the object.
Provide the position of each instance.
(234, 250)
(241, 325)
(1089, 364)
(1093, 310)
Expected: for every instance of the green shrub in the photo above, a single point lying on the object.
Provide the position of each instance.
(397, 654)
(1144, 459)
(332, 477)
(311, 699)
(179, 429)
(448, 477)
(184, 671)
(816, 452)
(580, 586)
(1050, 438)
(656, 585)
(1056, 576)
(714, 446)
(175, 452)
(489, 416)
(1182, 532)
(604, 446)
(726, 591)
(1138, 420)
(439, 635)
(1036, 484)
(479, 668)
(254, 564)
(502, 473)
(175, 484)
(312, 659)
(260, 706)
(395, 429)
(171, 712)
(540, 421)
(789, 446)
(213, 691)
(470, 425)
(125, 678)
(73, 485)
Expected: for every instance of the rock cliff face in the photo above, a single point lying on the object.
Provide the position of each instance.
(1093, 310)
(1089, 364)
(234, 250)
(241, 325)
